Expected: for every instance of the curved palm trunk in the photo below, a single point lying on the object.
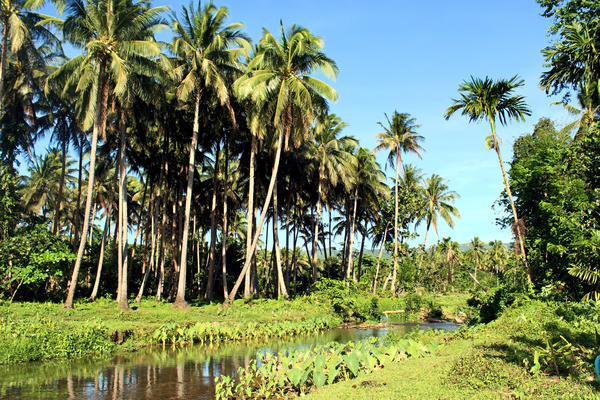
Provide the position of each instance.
(250, 217)
(100, 121)
(61, 187)
(379, 260)
(180, 301)
(262, 219)
(512, 203)
(123, 223)
(101, 256)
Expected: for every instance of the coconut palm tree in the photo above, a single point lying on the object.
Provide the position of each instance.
(21, 28)
(44, 178)
(497, 253)
(279, 75)
(494, 100)
(399, 136)
(451, 250)
(108, 32)
(209, 50)
(333, 163)
(477, 251)
(368, 185)
(438, 201)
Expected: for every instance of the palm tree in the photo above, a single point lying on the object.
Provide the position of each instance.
(279, 75)
(451, 251)
(109, 33)
(476, 250)
(44, 178)
(368, 185)
(333, 164)
(20, 28)
(438, 201)
(486, 99)
(399, 137)
(208, 53)
(497, 255)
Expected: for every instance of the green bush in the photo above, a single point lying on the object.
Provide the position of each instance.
(44, 339)
(491, 304)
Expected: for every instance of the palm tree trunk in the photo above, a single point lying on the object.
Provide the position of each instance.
(395, 270)
(281, 289)
(101, 256)
(385, 231)
(123, 225)
(224, 243)
(330, 231)
(316, 227)
(360, 255)
(512, 202)
(100, 121)
(213, 229)
(150, 265)
(61, 187)
(250, 217)
(180, 301)
(76, 220)
(351, 236)
(137, 230)
(262, 218)
(3, 58)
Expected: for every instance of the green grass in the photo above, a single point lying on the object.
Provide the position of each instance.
(42, 331)
(486, 362)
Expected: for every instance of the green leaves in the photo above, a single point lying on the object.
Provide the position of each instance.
(300, 371)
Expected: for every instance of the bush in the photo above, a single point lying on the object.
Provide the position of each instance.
(44, 339)
(491, 304)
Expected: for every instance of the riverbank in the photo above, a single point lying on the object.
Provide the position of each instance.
(47, 331)
(494, 361)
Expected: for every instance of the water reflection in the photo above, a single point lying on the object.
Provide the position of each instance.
(187, 373)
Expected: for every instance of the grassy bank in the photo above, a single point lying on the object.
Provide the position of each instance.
(44, 331)
(497, 360)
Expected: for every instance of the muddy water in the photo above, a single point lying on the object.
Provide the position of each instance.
(187, 373)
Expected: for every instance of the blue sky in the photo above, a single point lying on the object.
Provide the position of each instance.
(410, 57)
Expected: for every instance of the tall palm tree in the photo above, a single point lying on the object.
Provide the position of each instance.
(279, 74)
(399, 136)
(209, 50)
(438, 201)
(494, 101)
(108, 32)
(368, 184)
(333, 164)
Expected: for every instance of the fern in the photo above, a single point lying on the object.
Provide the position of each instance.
(589, 275)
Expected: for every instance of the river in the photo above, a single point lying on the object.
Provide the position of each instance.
(183, 373)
